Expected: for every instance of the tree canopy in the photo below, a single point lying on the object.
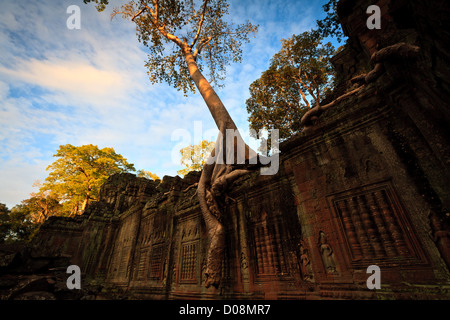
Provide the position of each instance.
(171, 28)
(193, 157)
(74, 180)
(43, 204)
(76, 176)
(298, 78)
(15, 224)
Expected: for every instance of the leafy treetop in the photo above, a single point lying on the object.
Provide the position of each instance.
(171, 28)
(300, 75)
(76, 176)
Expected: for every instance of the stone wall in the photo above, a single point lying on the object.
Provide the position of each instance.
(368, 185)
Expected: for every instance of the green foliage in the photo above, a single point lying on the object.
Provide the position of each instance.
(15, 224)
(193, 157)
(100, 4)
(75, 179)
(5, 225)
(330, 25)
(195, 26)
(300, 70)
(76, 176)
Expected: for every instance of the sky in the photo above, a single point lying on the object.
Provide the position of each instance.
(90, 86)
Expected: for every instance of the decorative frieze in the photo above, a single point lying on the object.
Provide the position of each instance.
(374, 225)
(270, 254)
(189, 260)
(156, 262)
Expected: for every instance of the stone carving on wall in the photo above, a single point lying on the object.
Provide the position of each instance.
(305, 263)
(188, 266)
(189, 251)
(151, 249)
(244, 263)
(174, 273)
(120, 263)
(374, 225)
(156, 262)
(270, 255)
(327, 253)
(244, 266)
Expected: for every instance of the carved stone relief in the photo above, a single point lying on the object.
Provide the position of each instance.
(374, 226)
(327, 253)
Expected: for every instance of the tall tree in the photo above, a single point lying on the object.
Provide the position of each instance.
(298, 78)
(186, 38)
(194, 157)
(76, 176)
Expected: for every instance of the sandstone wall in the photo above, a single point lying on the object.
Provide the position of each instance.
(348, 195)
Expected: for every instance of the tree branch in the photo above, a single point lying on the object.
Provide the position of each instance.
(303, 96)
(162, 28)
(137, 14)
(200, 46)
(155, 3)
(307, 88)
(155, 19)
(288, 93)
(310, 87)
(200, 24)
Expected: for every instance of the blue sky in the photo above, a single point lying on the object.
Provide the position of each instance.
(60, 86)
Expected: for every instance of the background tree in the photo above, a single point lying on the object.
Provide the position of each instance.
(193, 157)
(298, 78)
(147, 174)
(43, 204)
(5, 225)
(76, 176)
(184, 39)
(15, 224)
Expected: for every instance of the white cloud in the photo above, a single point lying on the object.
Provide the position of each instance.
(76, 79)
(60, 86)
(17, 180)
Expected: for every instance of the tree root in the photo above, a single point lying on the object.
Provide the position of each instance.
(311, 117)
(211, 190)
(397, 51)
(190, 187)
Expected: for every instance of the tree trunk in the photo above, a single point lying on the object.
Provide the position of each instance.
(215, 176)
(84, 204)
(86, 200)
